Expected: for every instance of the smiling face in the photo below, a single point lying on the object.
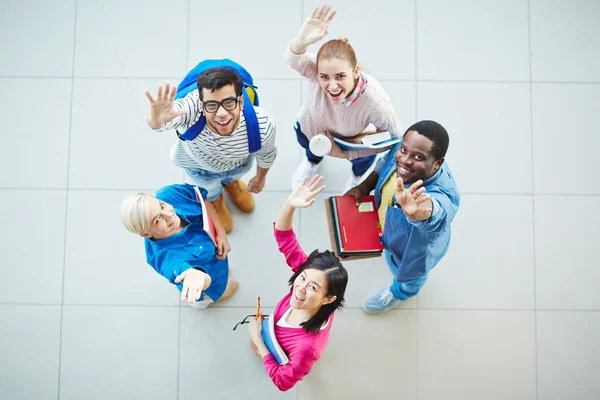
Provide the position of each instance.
(309, 291)
(337, 78)
(163, 220)
(415, 159)
(223, 122)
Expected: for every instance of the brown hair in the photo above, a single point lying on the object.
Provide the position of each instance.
(337, 48)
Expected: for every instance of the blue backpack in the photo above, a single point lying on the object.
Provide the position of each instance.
(189, 83)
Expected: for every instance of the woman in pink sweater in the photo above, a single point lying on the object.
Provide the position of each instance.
(341, 99)
(304, 317)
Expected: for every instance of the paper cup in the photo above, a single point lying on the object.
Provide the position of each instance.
(320, 145)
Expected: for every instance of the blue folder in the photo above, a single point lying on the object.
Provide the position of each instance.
(268, 335)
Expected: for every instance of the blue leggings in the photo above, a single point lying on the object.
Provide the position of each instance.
(359, 165)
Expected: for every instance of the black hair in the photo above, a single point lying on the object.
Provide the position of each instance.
(434, 132)
(337, 279)
(215, 78)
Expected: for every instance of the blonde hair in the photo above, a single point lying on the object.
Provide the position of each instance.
(135, 213)
(338, 48)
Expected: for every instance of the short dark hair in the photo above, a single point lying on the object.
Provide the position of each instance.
(434, 132)
(337, 279)
(215, 78)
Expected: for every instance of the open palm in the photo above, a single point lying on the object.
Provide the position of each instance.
(315, 27)
(303, 195)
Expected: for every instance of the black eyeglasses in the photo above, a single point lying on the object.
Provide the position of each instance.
(245, 320)
(228, 104)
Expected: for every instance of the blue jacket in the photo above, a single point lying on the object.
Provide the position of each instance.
(417, 247)
(190, 248)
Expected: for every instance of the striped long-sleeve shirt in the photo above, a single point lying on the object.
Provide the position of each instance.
(213, 152)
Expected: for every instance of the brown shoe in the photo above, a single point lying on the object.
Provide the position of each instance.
(223, 212)
(241, 197)
(229, 290)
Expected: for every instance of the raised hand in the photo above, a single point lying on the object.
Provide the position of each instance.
(302, 196)
(415, 204)
(315, 27)
(161, 109)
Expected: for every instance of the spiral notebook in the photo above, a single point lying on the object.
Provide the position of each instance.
(268, 334)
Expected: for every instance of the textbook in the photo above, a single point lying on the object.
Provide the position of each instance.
(268, 335)
(376, 140)
(354, 231)
(207, 223)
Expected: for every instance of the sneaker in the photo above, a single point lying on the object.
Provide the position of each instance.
(229, 290)
(380, 301)
(241, 197)
(306, 169)
(223, 212)
(353, 181)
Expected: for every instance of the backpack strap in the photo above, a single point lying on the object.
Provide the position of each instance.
(254, 142)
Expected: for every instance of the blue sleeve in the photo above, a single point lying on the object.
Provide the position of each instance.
(442, 214)
(180, 194)
(170, 264)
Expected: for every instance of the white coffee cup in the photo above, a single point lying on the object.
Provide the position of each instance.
(320, 145)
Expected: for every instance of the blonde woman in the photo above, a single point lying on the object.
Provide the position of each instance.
(177, 247)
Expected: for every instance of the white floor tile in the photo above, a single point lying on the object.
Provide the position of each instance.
(385, 45)
(568, 366)
(489, 125)
(105, 263)
(567, 231)
(30, 343)
(475, 355)
(115, 149)
(466, 40)
(565, 123)
(136, 38)
(119, 352)
(37, 38)
(490, 260)
(255, 36)
(563, 40)
(221, 359)
(33, 238)
(36, 149)
(368, 356)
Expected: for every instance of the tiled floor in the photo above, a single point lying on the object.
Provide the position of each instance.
(512, 311)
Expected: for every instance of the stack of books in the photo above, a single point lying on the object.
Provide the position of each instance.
(207, 224)
(355, 232)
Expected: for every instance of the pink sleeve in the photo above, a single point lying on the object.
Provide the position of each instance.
(305, 63)
(286, 376)
(288, 245)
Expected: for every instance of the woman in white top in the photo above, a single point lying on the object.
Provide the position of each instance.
(342, 100)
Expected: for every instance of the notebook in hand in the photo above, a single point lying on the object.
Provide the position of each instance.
(268, 335)
(355, 231)
(376, 140)
(207, 223)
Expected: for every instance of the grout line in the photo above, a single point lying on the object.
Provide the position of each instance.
(187, 47)
(416, 116)
(293, 79)
(586, 310)
(62, 295)
(531, 129)
(72, 189)
(178, 350)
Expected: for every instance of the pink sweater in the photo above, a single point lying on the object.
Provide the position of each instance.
(302, 348)
(318, 114)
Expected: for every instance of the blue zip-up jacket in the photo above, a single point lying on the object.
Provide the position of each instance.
(417, 247)
(190, 248)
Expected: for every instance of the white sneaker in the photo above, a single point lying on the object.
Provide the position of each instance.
(305, 169)
(353, 180)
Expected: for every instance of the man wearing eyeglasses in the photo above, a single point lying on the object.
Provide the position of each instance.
(218, 157)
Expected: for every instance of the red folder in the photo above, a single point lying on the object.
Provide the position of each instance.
(207, 223)
(357, 232)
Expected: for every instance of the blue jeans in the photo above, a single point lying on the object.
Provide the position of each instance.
(213, 181)
(359, 165)
(403, 290)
